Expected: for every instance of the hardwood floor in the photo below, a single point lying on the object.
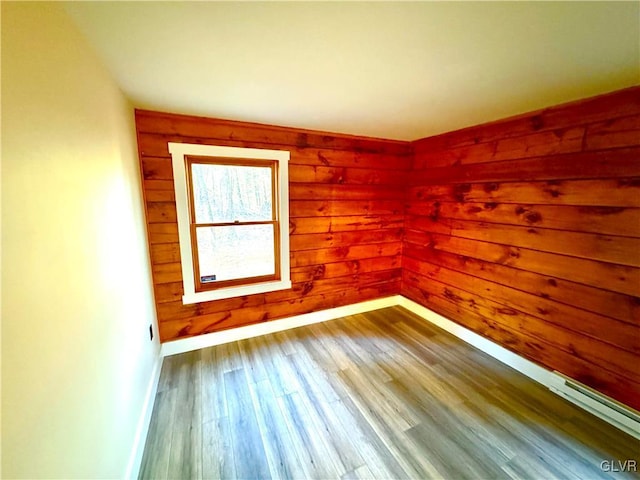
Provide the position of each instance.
(377, 395)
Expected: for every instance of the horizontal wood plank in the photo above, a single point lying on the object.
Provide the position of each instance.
(601, 108)
(209, 128)
(584, 347)
(347, 252)
(159, 195)
(155, 145)
(176, 310)
(246, 316)
(302, 225)
(161, 212)
(534, 145)
(550, 142)
(623, 192)
(611, 277)
(618, 163)
(310, 208)
(617, 250)
(162, 233)
(172, 292)
(157, 170)
(305, 191)
(150, 185)
(166, 272)
(345, 175)
(316, 241)
(618, 132)
(160, 168)
(602, 220)
(619, 334)
(349, 267)
(164, 253)
(611, 304)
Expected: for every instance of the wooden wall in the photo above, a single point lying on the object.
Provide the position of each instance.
(527, 231)
(347, 212)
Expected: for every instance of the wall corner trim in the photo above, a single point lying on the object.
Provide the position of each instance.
(142, 429)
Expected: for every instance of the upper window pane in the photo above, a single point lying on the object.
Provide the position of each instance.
(230, 193)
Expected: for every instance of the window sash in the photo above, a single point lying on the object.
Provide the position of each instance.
(193, 226)
(200, 286)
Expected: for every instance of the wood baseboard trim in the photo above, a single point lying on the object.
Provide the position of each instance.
(250, 331)
(142, 429)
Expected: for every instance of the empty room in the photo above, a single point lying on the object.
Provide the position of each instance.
(320, 240)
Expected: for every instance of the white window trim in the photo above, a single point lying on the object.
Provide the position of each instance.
(178, 153)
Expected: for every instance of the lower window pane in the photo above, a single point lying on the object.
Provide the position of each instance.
(233, 252)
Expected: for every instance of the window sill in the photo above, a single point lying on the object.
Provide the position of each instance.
(231, 292)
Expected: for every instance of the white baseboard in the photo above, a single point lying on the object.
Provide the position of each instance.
(553, 381)
(250, 331)
(142, 429)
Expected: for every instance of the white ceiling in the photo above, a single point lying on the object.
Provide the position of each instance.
(393, 70)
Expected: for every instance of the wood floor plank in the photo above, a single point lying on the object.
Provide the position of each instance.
(334, 349)
(543, 440)
(319, 460)
(421, 351)
(214, 402)
(387, 439)
(185, 457)
(168, 377)
(370, 447)
(340, 437)
(155, 460)
(316, 349)
(246, 442)
(281, 453)
(361, 473)
(312, 379)
(363, 355)
(599, 438)
(449, 455)
(279, 371)
(388, 412)
(380, 395)
(252, 361)
(286, 341)
(217, 451)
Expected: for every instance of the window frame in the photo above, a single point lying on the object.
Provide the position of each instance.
(182, 155)
(272, 165)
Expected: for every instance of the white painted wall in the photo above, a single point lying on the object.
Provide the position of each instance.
(76, 288)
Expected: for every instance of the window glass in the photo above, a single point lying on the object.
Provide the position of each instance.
(232, 252)
(231, 193)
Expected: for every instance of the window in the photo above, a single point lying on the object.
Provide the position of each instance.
(232, 206)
